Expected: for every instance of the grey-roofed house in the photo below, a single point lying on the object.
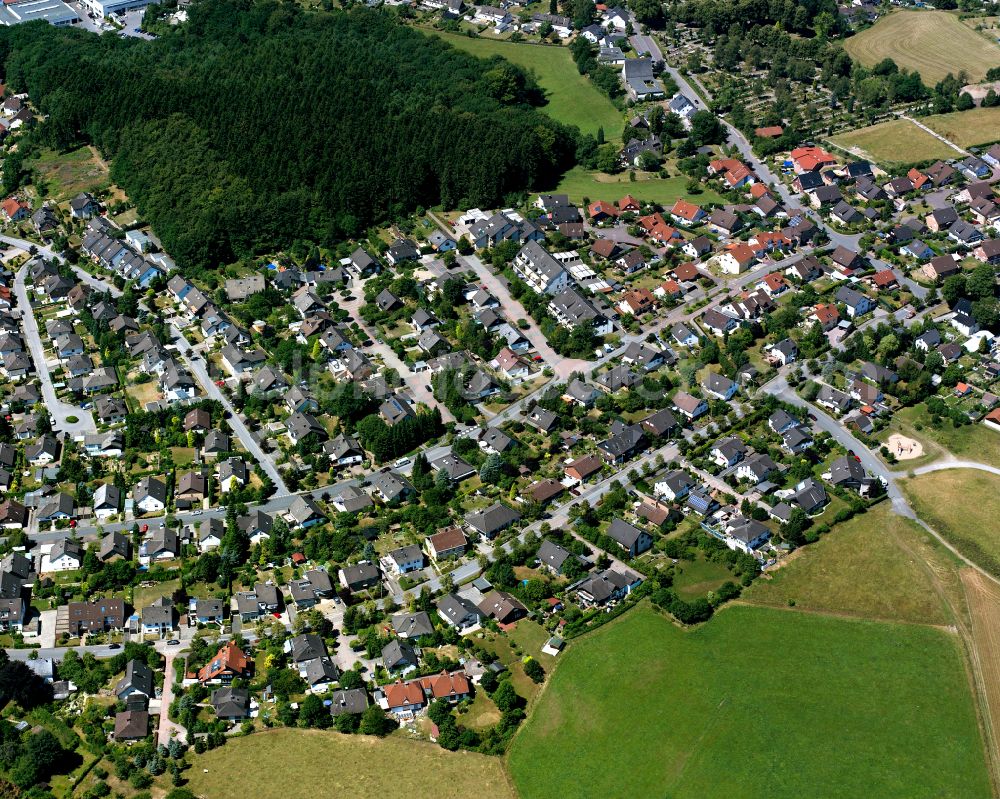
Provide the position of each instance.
(138, 679)
(231, 704)
(630, 538)
(412, 625)
(454, 467)
(458, 611)
(399, 658)
(490, 521)
(359, 576)
(352, 701)
(611, 584)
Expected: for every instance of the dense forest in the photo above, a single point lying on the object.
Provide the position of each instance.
(258, 123)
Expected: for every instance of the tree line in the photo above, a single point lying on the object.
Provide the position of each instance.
(258, 123)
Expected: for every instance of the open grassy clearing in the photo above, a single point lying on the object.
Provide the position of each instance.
(963, 505)
(696, 578)
(898, 141)
(302, 764)
(573, 99)
(579, 183)
(67, 174)
(750, 705)
(858, 569)
(967, 128)
(975, 442)
(933, 43)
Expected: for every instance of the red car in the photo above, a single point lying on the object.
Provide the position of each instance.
(220, 383)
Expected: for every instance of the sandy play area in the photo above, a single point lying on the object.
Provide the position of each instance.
(905, 449)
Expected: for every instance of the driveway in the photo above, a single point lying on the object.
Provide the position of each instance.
(166, 728)
(59, 411)
(646, 44)
(497, 286)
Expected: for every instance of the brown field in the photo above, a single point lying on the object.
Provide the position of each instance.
(967, 128)
(983, 597)
(933, 43)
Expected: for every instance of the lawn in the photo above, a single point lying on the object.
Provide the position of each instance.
(933, 43)
(967, 128)
(693, 579)
(755, 703)
(303, 764)
(579, 183)
(572, 98)
(898, 141)
(860, 569)
(144, 596)
(65, 175)
(963, 505)
(975, 442)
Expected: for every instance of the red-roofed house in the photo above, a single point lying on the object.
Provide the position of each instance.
(826, 314)
(917, 178)
(809, 159)
(686, 213)
(687, 272)
(601, 210)
(628, 203)
(885, 279)
(723, 165)
(229, 662)
(454, 687)
(669, 288)
(773, 284)
(404, 698)
(736, 259)
(637, 302)
(758, 190)
(14, 210)
(962, 389)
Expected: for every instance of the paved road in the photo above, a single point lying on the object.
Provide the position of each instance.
(648, 45)
(197, 367)
(59, 652)
(59, 411)
(873, 465)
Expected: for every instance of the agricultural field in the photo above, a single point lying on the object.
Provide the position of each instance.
(967, 128)
(933, 43)
(860, 568)
(64, 175)
(573, 99)
(983, 597)
(579, 183)
(896, 142)
(303, 764)
(747, 705)
(975, 442)
(963, 505)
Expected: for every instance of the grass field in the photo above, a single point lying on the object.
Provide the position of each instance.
(303, 764)
(898, 141)
(573, 99)
(756, 703)
(963, 505)
(697, 578)
(967, 128)
(971, 441)
(859, 569)
(67, 174)
(933, 43)
(579, 183)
